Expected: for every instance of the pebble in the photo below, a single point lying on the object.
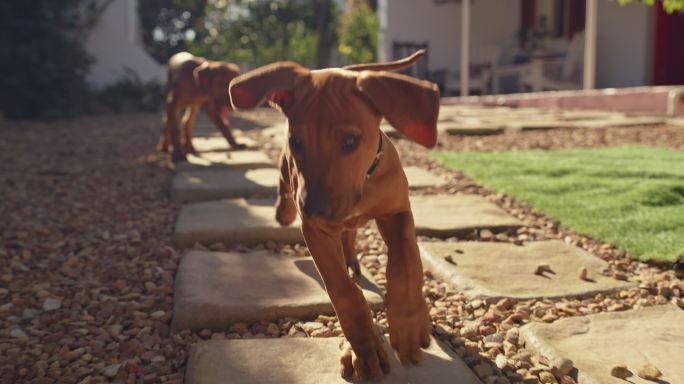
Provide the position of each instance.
(620, 371)
(51, 304)
(562, 366)
(501, 361)
(547, 377)
(542, 268)
(19, 334)
(483, 370)
(111, 370)
(649, 372)
(584, 274)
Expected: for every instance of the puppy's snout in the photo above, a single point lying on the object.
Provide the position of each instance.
(314, 205)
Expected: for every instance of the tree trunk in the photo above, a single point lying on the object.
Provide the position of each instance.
(322, 8)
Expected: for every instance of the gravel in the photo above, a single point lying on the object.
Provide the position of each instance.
(87, 271)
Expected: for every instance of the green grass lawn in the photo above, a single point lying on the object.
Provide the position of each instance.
(632, 197)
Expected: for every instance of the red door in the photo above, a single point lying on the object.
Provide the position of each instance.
(668, 52)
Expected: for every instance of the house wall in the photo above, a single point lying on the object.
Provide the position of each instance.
(494, 22)
(114, 44)
(623, 46)
(624, 34)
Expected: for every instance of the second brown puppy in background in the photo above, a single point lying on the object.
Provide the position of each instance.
(193, 83)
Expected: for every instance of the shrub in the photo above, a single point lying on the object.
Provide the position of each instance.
(43, 64)
(130, 94)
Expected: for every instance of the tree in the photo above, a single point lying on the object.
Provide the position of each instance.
(44, 64)
(670, 6)
(258, 32)
(168, 25)
(358, 39)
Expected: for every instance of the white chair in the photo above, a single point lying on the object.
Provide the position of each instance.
(546, 71)
(484, 63)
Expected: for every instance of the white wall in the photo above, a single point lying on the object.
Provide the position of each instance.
(494, 22)
(115, 44)
(624, 42)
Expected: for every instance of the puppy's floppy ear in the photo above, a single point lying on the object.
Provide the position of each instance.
(411, 106)
(274, 82)
(202, 74)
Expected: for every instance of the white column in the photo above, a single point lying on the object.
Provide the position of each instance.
(590, 45)
(465, 47)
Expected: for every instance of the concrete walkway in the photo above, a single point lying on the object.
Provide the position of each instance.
(229, 200)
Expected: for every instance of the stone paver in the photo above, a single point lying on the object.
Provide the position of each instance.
(421, 178)
(458, 215)
(676, 121)
(203, 185)
(595, 343)
(487, 269)
(243, 221)
(616, 122)
(308, 361)
(219, 144)
(275, 133)
(215, 289)
(232, 160)
(468, 127)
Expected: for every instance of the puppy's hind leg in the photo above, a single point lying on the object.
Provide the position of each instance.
(188, 122)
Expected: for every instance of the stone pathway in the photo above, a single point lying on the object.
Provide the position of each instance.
(215, 289)
(229, 197)
(231, 221)
(498, 270)
(308, 361)
(596, 343)
(478, 120)
(203, 185)
(228, 160)
(446, 216)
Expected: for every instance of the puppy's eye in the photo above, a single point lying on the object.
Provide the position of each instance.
(295, 143)
(349, 143)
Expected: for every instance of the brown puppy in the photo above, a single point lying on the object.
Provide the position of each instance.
(195, 82)
(339, 171)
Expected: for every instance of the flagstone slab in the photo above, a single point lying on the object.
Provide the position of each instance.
(595, 343)
(422, 178)
(219, 144)
(214, 290)
(276, 133)
(470, 128)
(676, 121)
(203, 185)
(617, 122)
(497, 270)
(458, 215)
(233, 221)
(309, 361)
(226, 160)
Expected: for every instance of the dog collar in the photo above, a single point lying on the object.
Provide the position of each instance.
(376, 160)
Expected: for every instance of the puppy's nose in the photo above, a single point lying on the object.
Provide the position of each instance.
(315, 206)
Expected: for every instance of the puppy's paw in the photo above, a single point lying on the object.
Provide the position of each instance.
(367, 361)
(177, 157)
(409, 329)
(238, 146)
(286, 212)
(189, 148)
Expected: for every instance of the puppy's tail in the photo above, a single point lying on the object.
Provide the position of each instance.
(390, 65)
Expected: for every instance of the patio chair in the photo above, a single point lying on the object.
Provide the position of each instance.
(484, 64)
(551, 70)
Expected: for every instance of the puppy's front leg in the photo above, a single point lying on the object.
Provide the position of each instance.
(215, 116)
(366, 359)
(286, 211)
(407, 313)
